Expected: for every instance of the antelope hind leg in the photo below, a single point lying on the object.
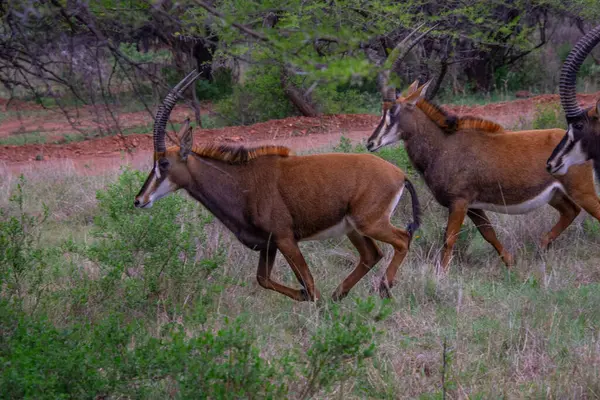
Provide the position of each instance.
(484, 226)
(370, 255)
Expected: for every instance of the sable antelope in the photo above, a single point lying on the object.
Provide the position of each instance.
(271, 200)
(582, 140)
(471, 165)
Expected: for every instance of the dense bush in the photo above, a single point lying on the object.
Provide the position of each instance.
(259, 98)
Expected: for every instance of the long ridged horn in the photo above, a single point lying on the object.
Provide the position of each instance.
(568, 74)
(395, 59)
(164, 110)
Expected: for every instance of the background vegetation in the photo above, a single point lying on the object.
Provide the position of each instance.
(262, 59)
(99, 300)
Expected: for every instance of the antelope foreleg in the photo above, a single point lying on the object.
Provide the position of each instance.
(458, 211)
(263, 275)
(290, 250)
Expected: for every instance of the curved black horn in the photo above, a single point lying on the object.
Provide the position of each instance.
(568, 74)
(164, 110)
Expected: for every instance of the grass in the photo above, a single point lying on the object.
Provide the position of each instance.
(23, 138)
(528, 333)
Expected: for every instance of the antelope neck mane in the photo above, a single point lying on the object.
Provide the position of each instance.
(451, 123)
(238, 154)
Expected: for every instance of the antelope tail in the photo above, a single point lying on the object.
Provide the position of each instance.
(416, 208)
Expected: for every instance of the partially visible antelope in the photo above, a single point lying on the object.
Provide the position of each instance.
(581, 143)
(471, 165)
(271, 200)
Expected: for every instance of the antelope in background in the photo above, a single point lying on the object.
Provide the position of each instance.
(471, 165)
(271, 200)
(582, 140)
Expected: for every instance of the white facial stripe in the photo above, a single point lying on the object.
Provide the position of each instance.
(156, 169)
(387, 118)
(574, 157)
(163, 189)
(570, 132)
(391, 136)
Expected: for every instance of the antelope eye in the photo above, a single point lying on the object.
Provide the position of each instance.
(578, 125)
(163, 163)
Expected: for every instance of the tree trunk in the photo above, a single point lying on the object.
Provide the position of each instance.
(296, 96)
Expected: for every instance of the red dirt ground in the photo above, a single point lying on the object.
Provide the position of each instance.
(299, 133)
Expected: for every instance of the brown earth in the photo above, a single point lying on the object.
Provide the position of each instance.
(300, 133)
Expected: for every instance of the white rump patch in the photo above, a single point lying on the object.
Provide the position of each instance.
(396, 200)
(526, 206)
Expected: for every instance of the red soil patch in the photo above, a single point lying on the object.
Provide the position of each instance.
(299, 133)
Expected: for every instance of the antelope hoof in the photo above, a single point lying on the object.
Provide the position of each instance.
(338, 296)
(439, 270)
(305, 296)
(508, 260)
(384, 289)
(546, 244)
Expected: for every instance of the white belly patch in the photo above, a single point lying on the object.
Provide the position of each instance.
(342, 228)
(526, 206)
(346, 225)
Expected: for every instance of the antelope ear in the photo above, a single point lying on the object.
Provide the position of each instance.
(412, 88)
(418, 94)
(186, 143)
(184, 127)
(423, 89)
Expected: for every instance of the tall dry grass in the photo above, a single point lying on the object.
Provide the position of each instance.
(527, 333)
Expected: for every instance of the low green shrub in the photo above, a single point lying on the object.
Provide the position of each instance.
(22, 261)
(259, 98)
(549, 116)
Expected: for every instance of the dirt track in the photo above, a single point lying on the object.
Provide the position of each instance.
(94, 156)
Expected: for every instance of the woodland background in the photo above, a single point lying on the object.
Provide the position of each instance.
(99, 300)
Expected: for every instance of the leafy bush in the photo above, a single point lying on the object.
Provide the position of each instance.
(150, 254)
(348, 100)
(116, 359)
(259, 98)
(220, 87)
(22, 261)
(340, 348)
(549, 116)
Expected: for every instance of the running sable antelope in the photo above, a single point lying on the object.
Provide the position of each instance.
(271, 200)
(471, 165)
(582, 140)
